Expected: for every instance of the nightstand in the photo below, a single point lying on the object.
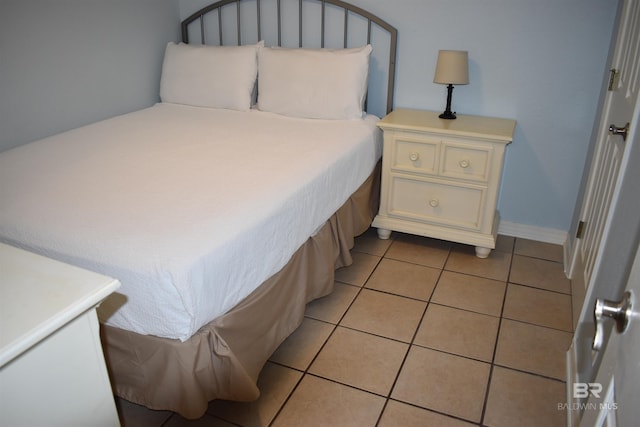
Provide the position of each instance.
(441, 178)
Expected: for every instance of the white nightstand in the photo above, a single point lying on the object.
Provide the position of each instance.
(440, 178)
(52, 369)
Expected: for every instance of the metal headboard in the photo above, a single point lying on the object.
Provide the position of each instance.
(351, 12)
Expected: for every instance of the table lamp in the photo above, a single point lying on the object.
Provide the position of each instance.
(452, 69)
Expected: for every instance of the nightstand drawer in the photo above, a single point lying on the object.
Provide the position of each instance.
(466, 161)
(437, 201)
(411, 154)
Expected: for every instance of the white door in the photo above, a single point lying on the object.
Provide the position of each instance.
(604, 385)
(613, 395)
(609, 251)
(617, 111)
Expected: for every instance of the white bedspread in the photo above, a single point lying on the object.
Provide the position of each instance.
(190, 208)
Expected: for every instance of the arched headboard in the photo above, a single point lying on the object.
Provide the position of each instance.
(303, 23)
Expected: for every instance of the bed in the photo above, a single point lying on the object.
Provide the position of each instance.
(226, 207)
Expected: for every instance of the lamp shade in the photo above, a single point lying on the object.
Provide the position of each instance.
(452, 67)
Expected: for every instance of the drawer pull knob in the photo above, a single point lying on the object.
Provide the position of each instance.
(464, 164)
(434, 203)
(414, 156)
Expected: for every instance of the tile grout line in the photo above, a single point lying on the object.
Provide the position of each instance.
(411, 343)
(495, 346)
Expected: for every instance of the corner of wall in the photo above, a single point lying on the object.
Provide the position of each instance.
(540, 234)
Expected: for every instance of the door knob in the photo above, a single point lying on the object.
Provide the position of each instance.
(615, 130)
(620, 312)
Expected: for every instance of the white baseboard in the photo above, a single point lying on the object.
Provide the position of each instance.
(531, 232)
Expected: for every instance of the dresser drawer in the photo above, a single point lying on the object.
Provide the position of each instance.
(472, 162)
(437, 201)
(412, 154)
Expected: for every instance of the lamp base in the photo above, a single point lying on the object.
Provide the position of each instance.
(448, 115)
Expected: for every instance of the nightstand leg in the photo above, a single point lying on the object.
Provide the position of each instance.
(383, 233)
(482, 252)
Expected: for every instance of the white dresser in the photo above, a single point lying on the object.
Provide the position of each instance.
(52, 369)
(441, 178)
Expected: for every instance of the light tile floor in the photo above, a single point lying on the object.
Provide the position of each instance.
(418, 332)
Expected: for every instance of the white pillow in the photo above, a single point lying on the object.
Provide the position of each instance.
(209, 76)
(313, 83)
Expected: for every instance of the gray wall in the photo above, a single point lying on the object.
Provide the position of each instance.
(541, 62)
(66, 63)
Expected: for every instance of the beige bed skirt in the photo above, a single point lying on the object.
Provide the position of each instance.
(224, 358)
